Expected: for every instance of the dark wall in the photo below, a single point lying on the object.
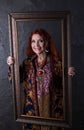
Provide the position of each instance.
(76, 8)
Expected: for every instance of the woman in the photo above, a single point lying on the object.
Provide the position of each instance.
(41, 74)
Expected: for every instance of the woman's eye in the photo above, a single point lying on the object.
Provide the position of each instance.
(41, 40)
(33, 41)
(38, 41)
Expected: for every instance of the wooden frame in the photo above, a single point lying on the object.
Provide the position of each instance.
(64, 19)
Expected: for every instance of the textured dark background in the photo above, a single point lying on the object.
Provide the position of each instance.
(76, 8)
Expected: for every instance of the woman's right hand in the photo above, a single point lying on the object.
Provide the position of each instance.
(10, 60)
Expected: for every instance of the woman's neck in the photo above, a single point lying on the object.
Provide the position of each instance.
(42, 57)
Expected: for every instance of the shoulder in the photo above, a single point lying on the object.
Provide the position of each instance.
(56, 60)
(29, 60)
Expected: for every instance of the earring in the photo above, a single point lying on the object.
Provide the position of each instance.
(47, 50)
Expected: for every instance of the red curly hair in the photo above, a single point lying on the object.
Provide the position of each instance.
(46, 36)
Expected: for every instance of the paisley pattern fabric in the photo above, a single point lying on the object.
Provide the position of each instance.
(43, 91)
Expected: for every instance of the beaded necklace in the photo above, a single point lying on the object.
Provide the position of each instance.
(40, 64)
(39, 67)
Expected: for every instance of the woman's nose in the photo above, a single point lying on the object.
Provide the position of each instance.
(37, 43)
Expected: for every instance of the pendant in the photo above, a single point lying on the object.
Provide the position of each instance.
(40, 72)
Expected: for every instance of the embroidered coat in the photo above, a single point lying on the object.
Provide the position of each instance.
(43, 92)
(42, 88)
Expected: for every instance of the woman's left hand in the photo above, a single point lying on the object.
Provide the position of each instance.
(71, 71)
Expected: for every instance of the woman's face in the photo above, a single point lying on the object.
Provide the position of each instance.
(37, 44)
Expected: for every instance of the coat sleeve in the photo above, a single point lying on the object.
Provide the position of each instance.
(20, 73)
(57, 73)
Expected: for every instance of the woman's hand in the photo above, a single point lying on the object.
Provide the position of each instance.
(71, 71)
(10, 60)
